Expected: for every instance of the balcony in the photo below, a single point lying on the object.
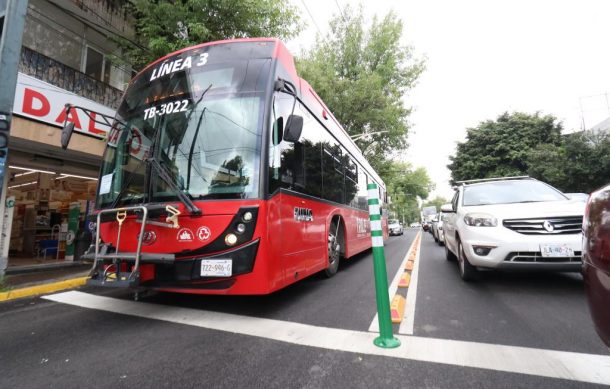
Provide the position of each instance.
(49, 70)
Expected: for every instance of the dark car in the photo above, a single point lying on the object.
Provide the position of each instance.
(596, 259)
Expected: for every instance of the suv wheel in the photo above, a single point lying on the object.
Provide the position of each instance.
(467, 271)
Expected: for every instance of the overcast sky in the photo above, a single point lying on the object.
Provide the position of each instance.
(487, 57)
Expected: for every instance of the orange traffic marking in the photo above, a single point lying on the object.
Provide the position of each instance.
(409, 265)
(405, 279)
(397, 308)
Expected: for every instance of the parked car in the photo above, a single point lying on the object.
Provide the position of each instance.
(577, 196)
(437, 228)
(596, 259)
(415, 225)
(431, 222)
(426, 226)
(512, 223)
(394, 227)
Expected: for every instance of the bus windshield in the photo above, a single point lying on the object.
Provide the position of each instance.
(197, 116)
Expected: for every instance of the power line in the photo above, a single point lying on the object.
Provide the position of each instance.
(341, 12)
(92, 25)
(71, 37)
(311, 16)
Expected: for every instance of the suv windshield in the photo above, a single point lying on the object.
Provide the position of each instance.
(507, 192)
(198, 114)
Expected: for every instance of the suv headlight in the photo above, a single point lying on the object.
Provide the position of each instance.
(480, 220)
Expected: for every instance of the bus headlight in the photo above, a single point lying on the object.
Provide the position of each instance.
(241, 228)
(230, 239)
(247, 216)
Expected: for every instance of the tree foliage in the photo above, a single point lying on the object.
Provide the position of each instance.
(498, 148)
(164, 26)
(404, 185)
(436, 202)
(581, 163)
(362, 75)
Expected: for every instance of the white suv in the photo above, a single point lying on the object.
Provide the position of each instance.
(512, 223)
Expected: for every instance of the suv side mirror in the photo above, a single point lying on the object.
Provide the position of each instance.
(294, 127)
(66, 134)
(447, 208)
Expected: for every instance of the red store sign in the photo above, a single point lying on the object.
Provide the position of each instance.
(45, 102)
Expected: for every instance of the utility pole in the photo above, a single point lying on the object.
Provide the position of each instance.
(12, 20)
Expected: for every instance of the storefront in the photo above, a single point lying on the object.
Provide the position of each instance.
(49, 190)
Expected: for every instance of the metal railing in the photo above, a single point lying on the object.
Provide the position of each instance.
(49, 70)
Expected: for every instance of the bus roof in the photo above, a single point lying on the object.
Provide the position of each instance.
(308, 95)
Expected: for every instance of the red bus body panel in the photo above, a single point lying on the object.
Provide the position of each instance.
(288, 249)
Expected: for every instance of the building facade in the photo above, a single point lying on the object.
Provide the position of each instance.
(68, 56)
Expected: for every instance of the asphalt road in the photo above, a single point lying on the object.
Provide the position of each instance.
(542, 310)
(49, 344)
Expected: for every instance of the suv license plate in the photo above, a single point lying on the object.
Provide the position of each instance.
(556, 250)
(216, 267)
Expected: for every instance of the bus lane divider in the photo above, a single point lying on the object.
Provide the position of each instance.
(412, 267)
(398, 280)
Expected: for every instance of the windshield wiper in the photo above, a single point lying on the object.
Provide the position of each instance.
(165, 176)
(190, 157)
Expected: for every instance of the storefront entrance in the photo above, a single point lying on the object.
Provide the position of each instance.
(49, 193)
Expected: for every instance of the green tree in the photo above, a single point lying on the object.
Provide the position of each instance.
(164, 26)
(497, 148)
(581, 163)
(362, 75)
(404, 185)
(436, 202)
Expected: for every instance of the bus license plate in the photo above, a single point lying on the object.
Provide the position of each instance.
(216, 267)
(556, 250)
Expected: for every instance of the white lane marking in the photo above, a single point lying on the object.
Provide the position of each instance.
(374, 327)
(547, 363)
(408, 322)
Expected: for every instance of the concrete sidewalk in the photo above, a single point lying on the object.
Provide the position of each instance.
(24, 281)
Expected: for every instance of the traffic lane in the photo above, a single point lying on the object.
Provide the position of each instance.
(46, 344)
(540, 310)
(345, 301)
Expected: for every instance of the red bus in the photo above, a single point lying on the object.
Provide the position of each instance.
(225, 173)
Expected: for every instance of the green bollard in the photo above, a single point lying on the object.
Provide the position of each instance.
(386, 338)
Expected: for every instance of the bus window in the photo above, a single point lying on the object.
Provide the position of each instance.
(332, 171)
(351, 182)
(362, 190)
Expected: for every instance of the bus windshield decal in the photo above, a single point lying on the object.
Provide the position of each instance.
(177, 65)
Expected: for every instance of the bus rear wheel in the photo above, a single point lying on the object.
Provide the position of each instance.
(334, 248)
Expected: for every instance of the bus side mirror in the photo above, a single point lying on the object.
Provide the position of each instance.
(294, 127)
(66, 134)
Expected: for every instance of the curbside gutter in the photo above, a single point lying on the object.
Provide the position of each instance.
(43, 289)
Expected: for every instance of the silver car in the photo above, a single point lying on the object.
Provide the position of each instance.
(394, 227)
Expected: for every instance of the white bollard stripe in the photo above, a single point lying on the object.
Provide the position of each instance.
(373, 194)
(374, 209)
(376, 225)
(377, 241)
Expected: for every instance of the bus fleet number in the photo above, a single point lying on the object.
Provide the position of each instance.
(164, 109)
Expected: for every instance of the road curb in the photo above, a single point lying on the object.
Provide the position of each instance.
(43, 289)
